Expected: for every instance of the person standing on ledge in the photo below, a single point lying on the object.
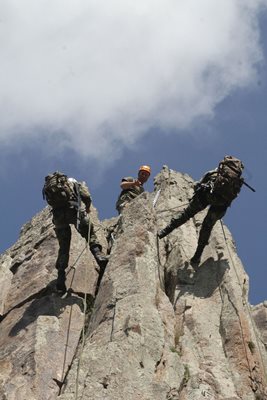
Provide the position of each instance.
(132, 187)
(70, 201)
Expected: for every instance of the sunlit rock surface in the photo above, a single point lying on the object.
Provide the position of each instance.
(155, 330)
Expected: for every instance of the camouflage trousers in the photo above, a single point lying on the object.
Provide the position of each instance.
(62, 219)
(198, 203)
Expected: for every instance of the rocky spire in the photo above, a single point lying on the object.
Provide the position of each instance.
(156, 328)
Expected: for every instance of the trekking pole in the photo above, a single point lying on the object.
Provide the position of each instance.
(250, 187)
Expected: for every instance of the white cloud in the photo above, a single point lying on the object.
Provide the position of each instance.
(104, 72)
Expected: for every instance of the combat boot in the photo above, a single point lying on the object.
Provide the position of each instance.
(60, 285)
(195, 260)
(164, 232)
(100, 258)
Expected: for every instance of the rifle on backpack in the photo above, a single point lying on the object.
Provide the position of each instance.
(229, 181)
(250, 187)
(244, 183)
(225, 181)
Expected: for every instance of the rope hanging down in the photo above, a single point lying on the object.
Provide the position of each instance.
(74, 267)
(83, 328)
(249, 312)
(69, 322)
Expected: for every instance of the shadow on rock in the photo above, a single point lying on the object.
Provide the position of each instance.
(206, 279)
(177, 276)
(45, 303)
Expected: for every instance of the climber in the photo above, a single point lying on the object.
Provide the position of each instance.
(132, 187)
(217, 189)
(70, 201)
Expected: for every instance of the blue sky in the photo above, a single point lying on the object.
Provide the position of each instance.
(95, 92)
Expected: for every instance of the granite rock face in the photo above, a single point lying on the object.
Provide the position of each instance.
(155, 330)
(259, 313)
(40, 332)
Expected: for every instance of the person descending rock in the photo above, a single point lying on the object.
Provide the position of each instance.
(70, 201)
(217, 189)
(132, 187)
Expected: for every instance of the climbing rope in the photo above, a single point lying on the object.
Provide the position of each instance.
(74, 266)
(155, 200)
(162, 283)
(249, 313)
(84, 322)
(157, 241)
(173, 208)
(169, 181)
(65, 352)
(69, 322)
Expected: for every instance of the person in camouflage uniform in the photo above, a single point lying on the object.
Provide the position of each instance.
(132, 187)
(68, 215)
(203, 196)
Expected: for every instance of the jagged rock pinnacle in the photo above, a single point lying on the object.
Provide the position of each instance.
(156, 329)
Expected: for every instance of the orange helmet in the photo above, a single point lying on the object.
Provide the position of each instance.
(145, 168)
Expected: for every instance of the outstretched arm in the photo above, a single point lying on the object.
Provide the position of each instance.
(127, 184)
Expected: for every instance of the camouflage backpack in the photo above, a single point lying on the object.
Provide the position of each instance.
(57, 190)
(228, 181)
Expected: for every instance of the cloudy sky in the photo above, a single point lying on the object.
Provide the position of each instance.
(95, 88)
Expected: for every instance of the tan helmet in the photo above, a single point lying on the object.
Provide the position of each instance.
(145, 168)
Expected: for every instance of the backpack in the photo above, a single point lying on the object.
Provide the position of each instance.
(228, 181)
(57, 190)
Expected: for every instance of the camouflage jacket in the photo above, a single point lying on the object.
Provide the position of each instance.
(205, 187)
(86, 199)
(127, 195)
